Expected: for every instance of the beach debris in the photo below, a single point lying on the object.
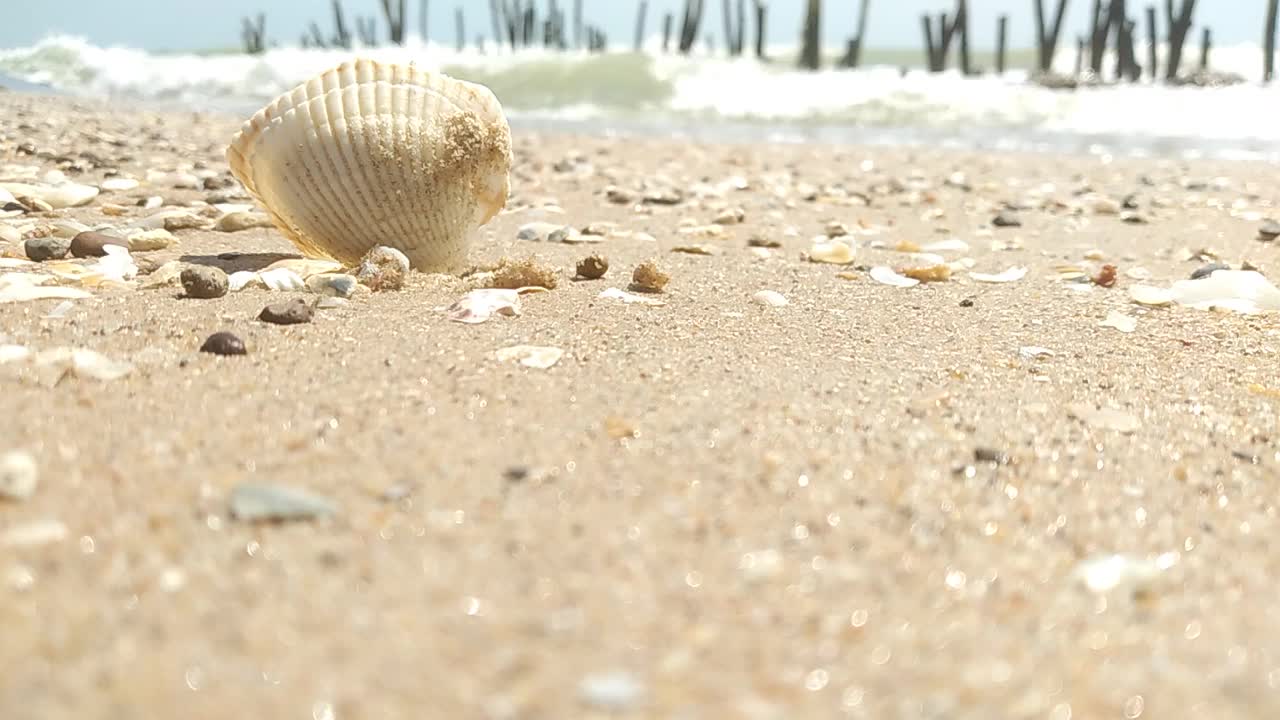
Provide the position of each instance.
(1012, 274)
(150, 203)
(1269, 231)
(616, 691)
(55, 197)
(383, 268)
(769, 298)
(619, 196)
(51, 247)
(1243, 291)
(94, 244)
(338, 285)
(1103, 573)
(528, 272)
(252, 502)
(1033, 352)
(242, 220)
(224, 343)
(760, 241)
(948, 245)
(478, 306)
(940, 272)
(150, 240)
(538, 231)
(60, 362)
(1006, 219)
(118, 184)
(22, 287)
(1120, 321)
(1105, 418)
(463, 149)
(592, 267)
(204, 282)
(648, 277)
(887, 276)
(1205, 271)
(663, 196)
(287, 312)
(533, 356)
(629, 298)
(1106, 276)
(835, 252)
(280, 278)
(19, 475)
(696, 249)
(713, 232)
(730, 216)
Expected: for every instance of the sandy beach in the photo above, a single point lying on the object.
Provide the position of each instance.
(961, 499)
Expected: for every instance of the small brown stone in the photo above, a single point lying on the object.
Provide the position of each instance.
(224, 343)
(204, 282)
(593, 267)
(648, 277)
(93, 244)
(288, 312)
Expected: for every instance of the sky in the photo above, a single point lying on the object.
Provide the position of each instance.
(194, 24)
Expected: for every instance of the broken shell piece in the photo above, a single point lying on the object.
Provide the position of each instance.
(886, 276)
(1243, 291)
(1013, 274)
(478, 306)
(20, 292)
(84, 363)
(304, 267)
(629, 298)
(118, 184)
(348, 159)
(770, 298)
(836, 252)
(1149, 295)
(533, 356)
(241, 220)
(537, 231)
(1105, 418)
(59, 196)
(1031, 352)
(1120, 321)
(932, 273)
(338, 285)
(730, 216)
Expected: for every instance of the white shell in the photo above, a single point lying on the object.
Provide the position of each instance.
(371, 153)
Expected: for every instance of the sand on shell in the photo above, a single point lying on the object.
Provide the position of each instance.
(866, 503)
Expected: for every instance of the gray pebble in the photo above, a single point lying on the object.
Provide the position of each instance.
(257, 501)
(47, 248)
(224, 343)
(1269, 231)
(18, 475)
(204, 281)
(288, 312)
(1006, 219)
(1205, 271)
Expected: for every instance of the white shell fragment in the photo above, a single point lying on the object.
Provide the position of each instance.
(60, 196)
(886, 276)
(1013, 274)
(836, 252)
(1031, 352)
(1120, 321)
(371, 153)
(84, 363)
(629, 298)
(478, 306)
(1243, 291)
(18, 475)
(118, 184)
(533, 356)
(951, 245)
(770, 298)
(1148, 295)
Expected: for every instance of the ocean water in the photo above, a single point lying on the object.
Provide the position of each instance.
(714, 98)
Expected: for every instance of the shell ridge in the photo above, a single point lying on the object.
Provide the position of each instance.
(325, 199)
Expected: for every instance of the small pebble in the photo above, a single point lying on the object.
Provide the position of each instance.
(1006, 219)
(41, 249)
(770, 298)
(288, 312)
(990, 455)
(383, 268)
(1269, 231)
(593, 267)
(611, 691)
(18, 475)
(1205, 271)
(648, 277)
(204, 282)
(256, 501)
(223, 343)
(93, 244)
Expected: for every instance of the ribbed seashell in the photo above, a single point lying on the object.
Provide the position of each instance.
(372, 153)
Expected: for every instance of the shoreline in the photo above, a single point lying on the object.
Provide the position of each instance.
(963, 499)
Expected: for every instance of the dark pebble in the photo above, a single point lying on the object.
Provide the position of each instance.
(46, 248)
(204, 282)
(93, 244)
(217, 183)
(593, 267)
(1206, 270)
(1006, 219)
(1130, 202)
(990, 455)
(515, 473)
(967, 302)
(1269, 231)
(288, 312)
(223, 343)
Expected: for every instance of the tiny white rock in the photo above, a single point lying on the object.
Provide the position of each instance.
(478, 306)
(118, 184)
(770, 298)
(19, 475)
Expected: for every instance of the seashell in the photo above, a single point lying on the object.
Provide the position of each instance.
(886, 276)
(835, 252)
(1012, 274)
(59, 196)
(371, 153)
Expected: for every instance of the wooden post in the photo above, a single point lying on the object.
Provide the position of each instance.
(462, 28)
(853, 54)
(1098, 30)
(317, 37)
(811, 47)
(930, 44)
(961, 24)
(1179, 26)
(762, 11)
(1047, 36)
(1206, 44)
(1151, 43)
(577, 24)
(1269, 42)
(1002, 32)
(689, 28)
(1081, 46)
(394, 12)
(667, 20)
(726, 13)
(423, 14)
(1117, 16)
(644, 10)
(341, 35)
(740, 41)
(254, 34)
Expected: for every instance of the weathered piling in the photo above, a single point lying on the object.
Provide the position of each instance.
(1179, 25)
(1206, 44)
(367, 30)
(1129, 67)
(1152, 35)
(734, 27)
(811, 45)
(1002, 32)
(853, 52)
(460, 23)
(253, 34)
(1099, 29)
(341, 35)
(495, 17)
(689, 27)
(640, 19)
(961, 26)
(667, 21)
(530, 23)
(424, 13)
(1082, 46)
(1047, 35)
(577, 23)
(393, 10)
(1269, 41)
(317, 38)
(762, 12)
(938, 47)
